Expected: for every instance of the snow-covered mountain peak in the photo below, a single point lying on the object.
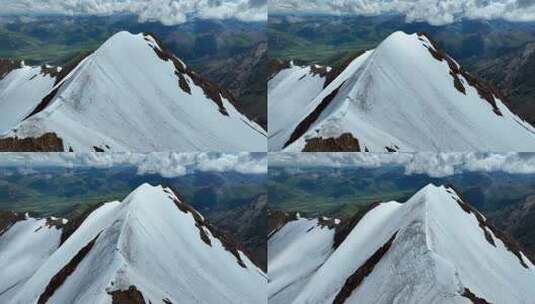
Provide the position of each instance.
(398, 40)
(406, 95)
(131, 94)
(434, 248)
(151, 246)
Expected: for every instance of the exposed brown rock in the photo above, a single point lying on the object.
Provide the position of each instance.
(65, 272)
(485, 91)
(247, 82)
(71, 65)
(210, 89)
(518, 221)
(344, 143)
(52, 71)
(392, 149)
(183, 83)
(345, 228)
(229, 243)
(7, 219)
(59, 77)
(325, 222)
(277, 65)
(513, 73)
(73, 223)
(97, 149)
(457, 83)
(129, 296)
(7, 66)
(472, 297)
(57, 223)
(354, 281)
(277, 219)
(509, 243)
(48, 142)
(318, 70)
(312, 117)
(249, 225)
(339, 68)
(44, 102)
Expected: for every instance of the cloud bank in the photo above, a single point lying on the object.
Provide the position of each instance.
(435, 12)
(432, 164)
(165, 164)
(168, 12)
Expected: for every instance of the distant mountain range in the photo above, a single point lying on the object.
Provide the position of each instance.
(152, 247)
(513, 74)
(433, 248)
(131, 94)
(405, 95)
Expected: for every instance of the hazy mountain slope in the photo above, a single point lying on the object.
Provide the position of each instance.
(133, 95)
(513, 73)
(519, 221)
(434, 248)
(152, 247)
(247, 81)
(406, 95)
(247, 223)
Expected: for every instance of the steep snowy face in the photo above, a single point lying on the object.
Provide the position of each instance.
(290, 92)
(132, 94)
(295, 251)
(21, 89)
(434, 248)
(25, 244)
(151, 247)
(407, 95)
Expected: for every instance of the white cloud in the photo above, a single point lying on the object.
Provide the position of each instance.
(168, 12)
(432, 164)
(436, 12)
(165, 164)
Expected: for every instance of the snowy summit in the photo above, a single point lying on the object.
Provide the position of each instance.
(406, 95)
(152, 247)
(131, 94)
(434, 248)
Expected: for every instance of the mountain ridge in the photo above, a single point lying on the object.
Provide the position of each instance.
(433, 248)
(137, 248)
(109, 96)
(390, 99)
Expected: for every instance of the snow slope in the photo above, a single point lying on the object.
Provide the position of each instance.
(23, 249)
(294, 253)
(131, 94)
(151, 245)
(436, 252)
(296, 84)
(401, 97)
(20, 91)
